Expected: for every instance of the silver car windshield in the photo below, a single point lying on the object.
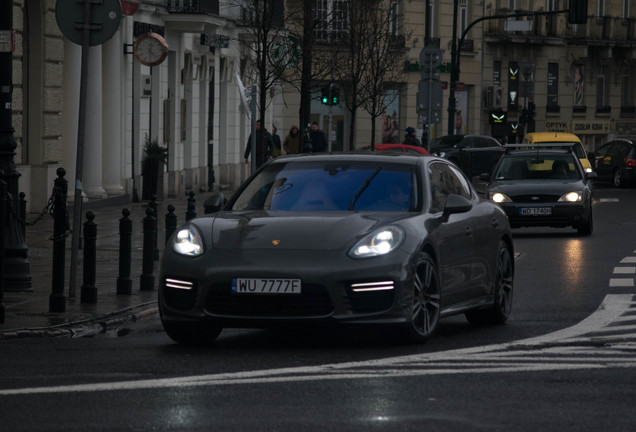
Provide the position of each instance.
(354, 186)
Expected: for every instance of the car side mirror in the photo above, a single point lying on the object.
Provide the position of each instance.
(214, 203)
(484, 177)
(455, 204)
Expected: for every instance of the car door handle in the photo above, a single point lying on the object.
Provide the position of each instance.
(494, 222)
(468, 230)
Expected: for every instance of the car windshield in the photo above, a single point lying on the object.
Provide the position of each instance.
(331, 186)
(537, 166)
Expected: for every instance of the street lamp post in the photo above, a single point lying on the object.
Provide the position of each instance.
(17, 275)
(453, 74)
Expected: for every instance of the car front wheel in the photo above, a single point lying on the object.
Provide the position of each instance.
(192, 333)
(499, 312)
(425, 303)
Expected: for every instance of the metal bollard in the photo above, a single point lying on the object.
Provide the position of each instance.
(88, 289)
(57, 299)
(147, 279)
(124, 281)
(171, 222)
(3, 217)
(191, 212)
(153, 206)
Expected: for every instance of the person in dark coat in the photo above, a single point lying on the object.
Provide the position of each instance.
(410, 138)
(276, 140)
(293, 141)
(264, 150)
(318, 140)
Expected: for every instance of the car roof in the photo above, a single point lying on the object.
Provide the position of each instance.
(360, 155)
(550, 136)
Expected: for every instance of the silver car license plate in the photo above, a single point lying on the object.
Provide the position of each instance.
(266, 286)
(535, 211)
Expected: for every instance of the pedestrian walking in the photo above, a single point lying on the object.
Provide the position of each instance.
(410, 137)
(318, 140)
(276, 140)
(264, 145)
(293, 140)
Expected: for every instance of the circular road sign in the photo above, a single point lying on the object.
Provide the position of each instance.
(104, 22)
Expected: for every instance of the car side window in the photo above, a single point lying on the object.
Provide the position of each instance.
(483, 143)
(445, 180)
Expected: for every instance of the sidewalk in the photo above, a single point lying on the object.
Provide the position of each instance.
(27, 313)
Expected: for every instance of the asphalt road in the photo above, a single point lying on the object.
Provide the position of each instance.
(566, 360)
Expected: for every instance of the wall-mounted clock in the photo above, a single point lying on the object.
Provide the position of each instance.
(150, 49)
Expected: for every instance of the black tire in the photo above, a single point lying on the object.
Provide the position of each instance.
(499, 312)
(587, 229)
(616, 178)
(425, 300)
(189, 333)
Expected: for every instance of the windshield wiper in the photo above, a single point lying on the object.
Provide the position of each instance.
(365, 185)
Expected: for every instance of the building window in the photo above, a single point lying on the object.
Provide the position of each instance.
(601, 96)
(463, 16)
(600, 8)
(551, 5)
(331, 19)
(512, 4)
(627, 98)
(393, 19)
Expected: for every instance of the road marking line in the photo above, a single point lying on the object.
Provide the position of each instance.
(606, 200)
(624, 270)
(615, 282)
(628, 260)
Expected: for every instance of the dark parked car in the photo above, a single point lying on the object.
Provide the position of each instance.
(474, 154)
(616, 161)
(364, 238)
(543, 188)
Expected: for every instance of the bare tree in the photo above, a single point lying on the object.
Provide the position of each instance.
(385, 50)
(262, 37)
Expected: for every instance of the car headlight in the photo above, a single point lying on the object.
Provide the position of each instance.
(571, 197)
(588, 170)
(498, 197)
(187, 242)
(377, 243)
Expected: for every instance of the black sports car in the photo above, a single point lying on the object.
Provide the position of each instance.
(345, 238)
(543, 188)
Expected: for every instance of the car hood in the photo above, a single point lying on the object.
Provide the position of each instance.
(543, 187)
(300, 231)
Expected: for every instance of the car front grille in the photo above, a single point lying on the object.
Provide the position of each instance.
(179, 293)
(312, 302)
(535, 199)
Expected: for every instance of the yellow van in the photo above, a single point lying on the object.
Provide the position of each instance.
(560, 137)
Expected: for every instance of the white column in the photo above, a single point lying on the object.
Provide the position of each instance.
(112, 87)
(70, 110)
(92, 174)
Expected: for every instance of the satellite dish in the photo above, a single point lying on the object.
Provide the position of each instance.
(245, 99)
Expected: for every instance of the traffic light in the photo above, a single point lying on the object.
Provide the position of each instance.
(335, 95)
(325, 95)
(577, 12)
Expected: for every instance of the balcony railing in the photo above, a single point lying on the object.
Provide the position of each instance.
(193, 6)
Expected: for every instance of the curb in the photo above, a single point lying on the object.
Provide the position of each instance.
(87, 328)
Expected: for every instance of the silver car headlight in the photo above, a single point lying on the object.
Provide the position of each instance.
(498, 197)
(187, 242)
(571, 197)
(379, 242)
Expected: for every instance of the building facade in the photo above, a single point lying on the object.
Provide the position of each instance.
(539, 71)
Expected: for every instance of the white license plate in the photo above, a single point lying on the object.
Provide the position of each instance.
(266, 286)
(535, 211)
